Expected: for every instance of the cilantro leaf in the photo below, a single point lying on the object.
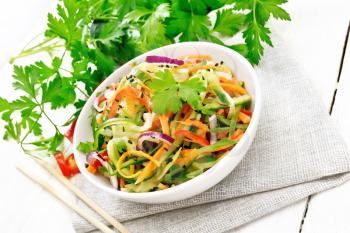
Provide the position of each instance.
(228, 23)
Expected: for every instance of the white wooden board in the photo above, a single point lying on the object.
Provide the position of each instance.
(330, 211)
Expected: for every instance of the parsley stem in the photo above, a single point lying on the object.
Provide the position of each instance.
(41, 106)
(30, 130)
(82, 92)
(25, 53)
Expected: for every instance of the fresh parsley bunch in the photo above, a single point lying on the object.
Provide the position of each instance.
(97, 36)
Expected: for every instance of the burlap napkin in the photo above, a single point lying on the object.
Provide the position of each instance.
(297, 152)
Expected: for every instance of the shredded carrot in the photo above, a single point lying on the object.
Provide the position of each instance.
(137, 153)
(155, 124)
(92, 169)
(164, 121)
(187, 156)
(186, 111)
(243, 117)
(121, 183)
(234, 88)
(237, 135)
(147, 171)
(195, 123)
(225, 80)
(220, 112)
(114, 109)
(204, 56)
(132, 169)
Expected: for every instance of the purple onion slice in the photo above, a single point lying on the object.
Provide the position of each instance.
(94, 155)
(154, 137)
(162, 59)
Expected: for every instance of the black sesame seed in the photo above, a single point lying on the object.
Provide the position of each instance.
(129, 141)
(208, 69)
(221, 62)
(167, 66)
(216, 64)
(123, 129)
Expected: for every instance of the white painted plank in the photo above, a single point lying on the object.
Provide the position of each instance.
(316, 36)
(330, 211)
(286, 220)
(315, 48)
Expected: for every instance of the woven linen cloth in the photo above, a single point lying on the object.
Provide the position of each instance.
(297, 152)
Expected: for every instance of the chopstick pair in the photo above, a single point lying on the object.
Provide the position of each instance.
(93, 205)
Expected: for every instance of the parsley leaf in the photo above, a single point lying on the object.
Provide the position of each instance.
(24, 79)
(256, 31)
(150, 40)
(190, 89)
(189, 26)
(169, 94)
(86, 147)
(107, 33)
(59, 92)
(67, 26)
(228, 23)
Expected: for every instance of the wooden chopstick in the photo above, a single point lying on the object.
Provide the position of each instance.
(92, 204)
(62, 198)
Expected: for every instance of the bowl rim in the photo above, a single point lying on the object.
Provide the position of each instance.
(250, 131)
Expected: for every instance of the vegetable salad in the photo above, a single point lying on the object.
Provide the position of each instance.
(166, 122)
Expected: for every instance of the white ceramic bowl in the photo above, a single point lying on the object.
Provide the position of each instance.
(243, 71)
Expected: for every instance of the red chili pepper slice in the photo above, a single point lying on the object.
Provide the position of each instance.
(247, 112)
(70, 132)
(72, 165)
(61, 162)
